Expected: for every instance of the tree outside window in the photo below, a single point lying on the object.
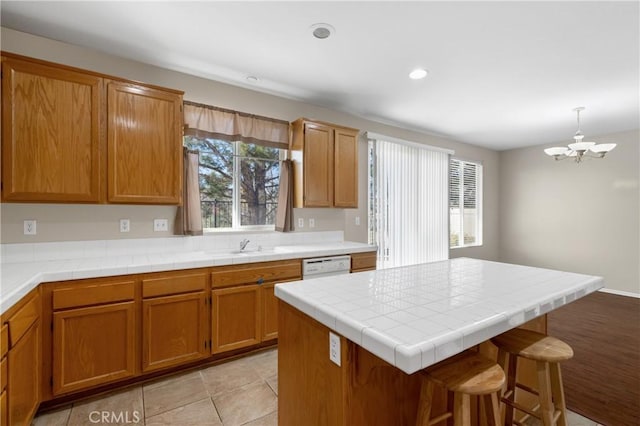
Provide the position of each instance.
(239, 183)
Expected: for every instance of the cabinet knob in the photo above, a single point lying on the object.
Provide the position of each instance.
(260, 280)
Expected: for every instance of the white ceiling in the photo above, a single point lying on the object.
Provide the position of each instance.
(501, 74)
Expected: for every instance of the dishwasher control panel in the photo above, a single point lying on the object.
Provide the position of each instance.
(326, 265)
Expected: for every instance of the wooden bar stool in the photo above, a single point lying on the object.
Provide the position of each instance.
(463, 375)
(547, 352)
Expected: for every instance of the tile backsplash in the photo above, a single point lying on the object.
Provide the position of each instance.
(29, 252)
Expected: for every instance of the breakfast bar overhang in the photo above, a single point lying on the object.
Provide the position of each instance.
(394, 322)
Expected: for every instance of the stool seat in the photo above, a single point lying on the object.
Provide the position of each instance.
(547, 352)
(532, 345)
(468, 373)
(463, 375)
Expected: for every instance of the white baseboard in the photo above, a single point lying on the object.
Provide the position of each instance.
(620, 292)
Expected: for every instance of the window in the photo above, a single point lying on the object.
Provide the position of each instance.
(465, 203)
(407, 202)
(238, 183)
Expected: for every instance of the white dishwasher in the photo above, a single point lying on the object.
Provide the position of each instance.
(325, 266)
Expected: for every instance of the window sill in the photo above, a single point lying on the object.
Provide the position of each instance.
(467, 246)
(252, 230)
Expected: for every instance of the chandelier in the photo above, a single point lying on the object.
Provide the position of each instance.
(579, 149)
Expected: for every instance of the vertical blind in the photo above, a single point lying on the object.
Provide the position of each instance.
(465, 186)
(409, 203)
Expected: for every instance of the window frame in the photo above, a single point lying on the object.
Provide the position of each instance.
(478, 199)
(236, 196)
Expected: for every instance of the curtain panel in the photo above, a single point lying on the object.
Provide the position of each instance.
(284, 214)
(206, 121)
(189, 216)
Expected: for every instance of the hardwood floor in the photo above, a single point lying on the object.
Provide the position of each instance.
(602, 380)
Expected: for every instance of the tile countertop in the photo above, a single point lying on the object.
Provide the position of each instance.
(19, 278)
(415, 316)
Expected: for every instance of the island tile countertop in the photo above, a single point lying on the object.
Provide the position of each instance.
(416, 316)
(20, 276)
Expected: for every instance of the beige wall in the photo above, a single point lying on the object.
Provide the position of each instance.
(575, 217)
(56, 222)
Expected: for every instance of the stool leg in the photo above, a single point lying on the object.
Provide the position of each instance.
(461, 409)
(425, 403)
(511, 386)
(558, 393)
(492, 409)
(544, 389)
(502, 362)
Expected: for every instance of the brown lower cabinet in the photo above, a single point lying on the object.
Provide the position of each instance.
(235, 318)
(174, 330)
(20, 355)
(93, 345)
(70, 338)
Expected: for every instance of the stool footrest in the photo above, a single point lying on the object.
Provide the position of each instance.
(440, 418)
(521, 407)
(527, 388)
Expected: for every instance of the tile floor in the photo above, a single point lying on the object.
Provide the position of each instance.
(240, 392)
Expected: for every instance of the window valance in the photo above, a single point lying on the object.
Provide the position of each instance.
(218, 123)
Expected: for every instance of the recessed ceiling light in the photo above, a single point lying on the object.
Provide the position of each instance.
(253, 79)
(322, 31)
(417, 74)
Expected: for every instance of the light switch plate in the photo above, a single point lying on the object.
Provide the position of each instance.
(312, 223)
(30, 227)
(357, 220)
(300, 222)
(124, 225)
(334, 348)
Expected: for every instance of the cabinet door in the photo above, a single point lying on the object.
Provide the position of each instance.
(174, 330)
(50, 133)
(92, 346)
(269, 312)
(235, 318)
(318, 165)
(346, 168)
(144, 129)
(23, 387)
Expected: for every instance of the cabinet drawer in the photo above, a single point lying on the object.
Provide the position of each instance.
(22, 320)
(363, 261)
(165, 286)
(256, 273)
(3, 374)
(93, 294)
(4, 340)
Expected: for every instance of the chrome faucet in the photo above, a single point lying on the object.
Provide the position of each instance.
(243, 244)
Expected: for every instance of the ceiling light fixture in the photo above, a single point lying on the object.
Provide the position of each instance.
(418, 74)
(580, 149)
(322, 31)
(252, 79)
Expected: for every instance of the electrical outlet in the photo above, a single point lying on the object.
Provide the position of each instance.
(300, 222)
(357, 220)
(160, 225)
(124, 225)
(334, 348)
(30, 227)
(312, 223)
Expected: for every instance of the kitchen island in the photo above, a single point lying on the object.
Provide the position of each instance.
(389, 324)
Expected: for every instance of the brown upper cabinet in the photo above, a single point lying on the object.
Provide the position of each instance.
(50, 133)
(144, 129)
(76, 136)
(325, 168)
